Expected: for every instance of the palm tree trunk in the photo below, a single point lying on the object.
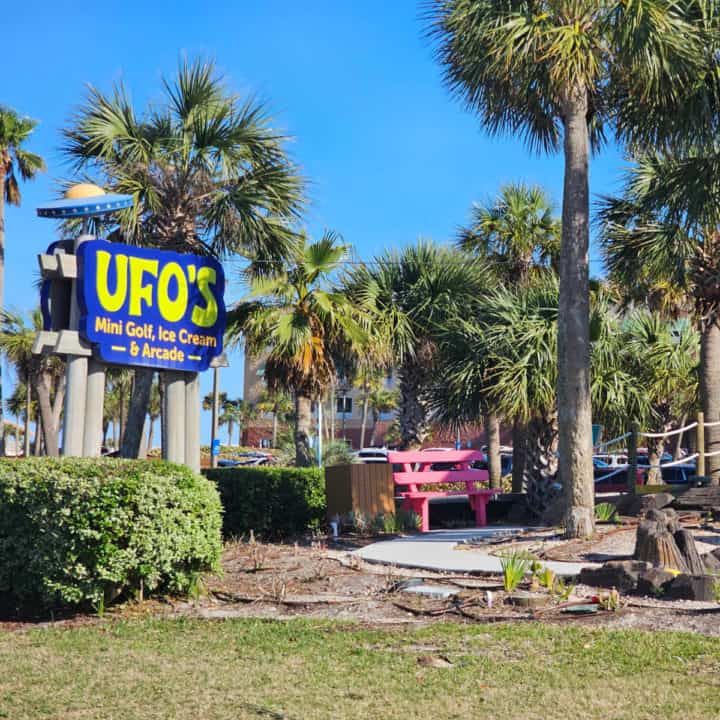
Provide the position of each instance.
(231, 427)
(123, 415)
(412, 410)
(574, 410)
(375, 417)
(677, 450)
(710, 394)
(363, 422)
(541, 465)
(303, 421)
(151, 432)
(46, 412)
(28, 406)
(38, 435)
(240, 427)
(333, 411)
(275, 427)
(57, 408)
(519, 441)
(139, 403)
(492, 440)
(655, 450)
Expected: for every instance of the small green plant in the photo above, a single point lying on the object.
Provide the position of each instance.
(514, 566)
(716, 591)
(408, 521)
(562, 590)
(545, 578)
(605, 512)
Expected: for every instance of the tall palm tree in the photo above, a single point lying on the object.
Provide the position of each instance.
(661, 235)
(280, 405)
(519, 235)
(562, 74)
(662, 356)
(15, 162)
(504, 357)
(43, 373)
(380, 401)
(208, 172)
(21, 404)
(412, 293)
(294, 317)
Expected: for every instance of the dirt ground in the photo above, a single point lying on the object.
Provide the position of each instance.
(326, 581)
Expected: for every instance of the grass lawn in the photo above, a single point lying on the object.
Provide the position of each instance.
(142, 669)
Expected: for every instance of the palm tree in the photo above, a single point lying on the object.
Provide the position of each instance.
(520, 237)
(662, 357)
(294, 317)
(280, 405)
(21, 405)
(504, 358)
(661, 241)
(41, 372)
(380, 401)
(562, 74)
(208, 172)
(154, 411)
(247, 413)
(412, 294)
(15, 161)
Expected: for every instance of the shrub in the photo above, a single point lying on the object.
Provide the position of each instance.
(272, 501)
(81, 532)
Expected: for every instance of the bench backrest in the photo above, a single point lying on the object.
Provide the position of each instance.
(416, 468)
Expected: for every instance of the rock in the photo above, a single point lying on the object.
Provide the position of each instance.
(651, 582)
(686, 544)
(716, 553)
(620, 574)
(691, 587)
(655, 501)
(711, 561)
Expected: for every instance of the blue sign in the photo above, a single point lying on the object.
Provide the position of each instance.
(215, 450)
(151, 307)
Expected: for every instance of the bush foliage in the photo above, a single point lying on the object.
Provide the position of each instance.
(79, 532)
(273, 502)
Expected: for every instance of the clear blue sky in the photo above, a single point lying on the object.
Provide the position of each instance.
(390, 155)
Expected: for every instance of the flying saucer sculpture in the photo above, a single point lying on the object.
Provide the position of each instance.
(85, 200)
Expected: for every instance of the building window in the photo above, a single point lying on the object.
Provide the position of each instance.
(344, 405)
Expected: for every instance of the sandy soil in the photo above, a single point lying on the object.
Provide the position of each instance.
(321, 582)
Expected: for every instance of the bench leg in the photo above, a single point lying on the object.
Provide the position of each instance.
(481, 510)
(420, 506)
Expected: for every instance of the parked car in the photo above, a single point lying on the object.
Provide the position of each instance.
(246, 459)
(372, 455)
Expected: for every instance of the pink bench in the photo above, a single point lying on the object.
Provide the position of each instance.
(416, 472)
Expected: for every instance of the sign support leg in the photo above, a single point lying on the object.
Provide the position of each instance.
(175, 411)
(76, 377)
(192, 421)
(95, 398)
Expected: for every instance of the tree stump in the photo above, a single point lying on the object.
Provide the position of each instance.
(686, 544)
(655, 541)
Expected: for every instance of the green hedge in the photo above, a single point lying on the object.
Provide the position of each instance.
(82, 532)
(273, 502)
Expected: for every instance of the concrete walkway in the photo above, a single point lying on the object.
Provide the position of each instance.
(437, 550)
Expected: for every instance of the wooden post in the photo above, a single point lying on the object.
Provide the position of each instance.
(701, 444)
(632, 459)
